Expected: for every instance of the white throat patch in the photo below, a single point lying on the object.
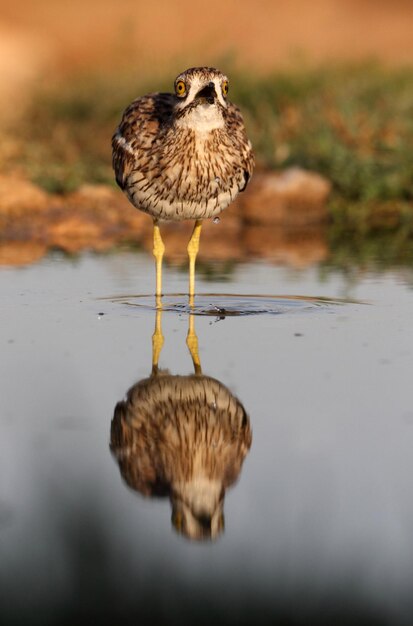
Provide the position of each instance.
(203, 118)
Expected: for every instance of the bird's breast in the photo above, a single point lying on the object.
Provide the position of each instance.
(190, 174)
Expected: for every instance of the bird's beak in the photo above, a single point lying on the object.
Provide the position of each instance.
(208, 93)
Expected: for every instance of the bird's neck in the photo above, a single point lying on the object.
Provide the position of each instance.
(202, 119)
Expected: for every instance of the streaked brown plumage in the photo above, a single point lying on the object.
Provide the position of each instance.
(183, 155)
(186, 437)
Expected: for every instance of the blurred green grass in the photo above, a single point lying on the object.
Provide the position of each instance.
(353, 124)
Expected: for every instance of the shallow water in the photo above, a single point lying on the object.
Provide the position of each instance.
(319, 525)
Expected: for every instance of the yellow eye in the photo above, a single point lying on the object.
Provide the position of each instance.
(180, 88)
(225, 87)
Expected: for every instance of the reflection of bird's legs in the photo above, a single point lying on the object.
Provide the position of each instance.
(157, 339)
(158, 250)
(193, 247)
(192, 343)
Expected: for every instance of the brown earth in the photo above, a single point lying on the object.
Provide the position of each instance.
(280, 217)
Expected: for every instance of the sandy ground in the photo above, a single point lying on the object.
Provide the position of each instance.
(47, 36)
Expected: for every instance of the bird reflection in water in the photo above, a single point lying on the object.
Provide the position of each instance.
(185, 437)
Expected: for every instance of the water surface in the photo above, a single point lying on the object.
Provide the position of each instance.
(319, 523)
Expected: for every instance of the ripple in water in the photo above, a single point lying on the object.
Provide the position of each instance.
(229, 305)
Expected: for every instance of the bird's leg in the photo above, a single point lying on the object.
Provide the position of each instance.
(157, 339)
(158, 250)
(192, 343)
(193, 247)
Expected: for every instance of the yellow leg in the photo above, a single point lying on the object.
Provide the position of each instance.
(157, 340)
(192, 343)
(158, 250)
(193, 247)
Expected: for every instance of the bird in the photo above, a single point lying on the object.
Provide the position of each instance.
(183, 156)
(182, 436)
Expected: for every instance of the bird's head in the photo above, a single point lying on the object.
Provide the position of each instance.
(201, 98)
(197, 509)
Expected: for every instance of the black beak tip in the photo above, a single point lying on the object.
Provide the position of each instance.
(208, 92)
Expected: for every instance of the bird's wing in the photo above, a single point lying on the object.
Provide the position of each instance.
(140, 127)
(237, 130)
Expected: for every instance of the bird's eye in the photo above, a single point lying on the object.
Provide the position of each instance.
(180, 88)
(225, 87)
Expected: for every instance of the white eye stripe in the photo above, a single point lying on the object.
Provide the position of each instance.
(194, 83)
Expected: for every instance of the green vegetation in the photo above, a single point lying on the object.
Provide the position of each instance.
(65, 137)
(352, 124)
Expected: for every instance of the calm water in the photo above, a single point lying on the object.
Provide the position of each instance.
(318, 524)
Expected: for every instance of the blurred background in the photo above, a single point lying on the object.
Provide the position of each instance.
(326, 87)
